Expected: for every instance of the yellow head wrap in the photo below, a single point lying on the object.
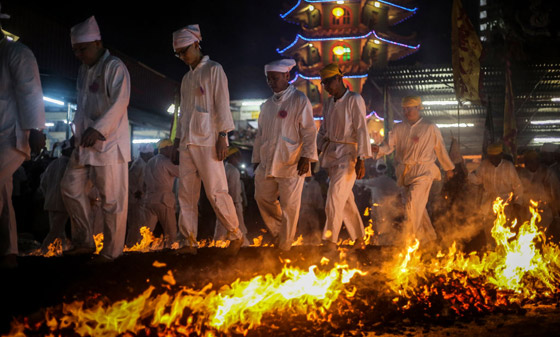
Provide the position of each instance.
(411, 101)
(330, 71)
(494, 149)
(164, 143)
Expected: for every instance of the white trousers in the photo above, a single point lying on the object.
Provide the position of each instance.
(112, 183)
(200, 163)
(135, 221)
(279, 201)
(418, 222)
(220, 232)
(158, 212)
(10, 160)
(340, 204)
(57, 225)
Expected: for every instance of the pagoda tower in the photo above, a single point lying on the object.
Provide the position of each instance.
(354, 33)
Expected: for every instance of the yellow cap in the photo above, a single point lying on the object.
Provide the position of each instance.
(411, 101)
(232, 150)
(330, 71)
(494, 149)
(164, 143)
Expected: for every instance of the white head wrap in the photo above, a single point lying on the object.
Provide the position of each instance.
(146, 148)
(87, 31)
(186, 36)
(3, 15)
(549, 147)
(281, 66)
(381, 166)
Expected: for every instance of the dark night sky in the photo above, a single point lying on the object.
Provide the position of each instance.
(241, 35)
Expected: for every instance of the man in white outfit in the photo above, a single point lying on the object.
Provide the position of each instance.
(418, 143)
(159, 200)
(235, 189)
(102, 142)
(498, 178)
(343, 143)
(284, 146)
(50, 186)
(22, 117)
(136, 190)
(202, 140)
(540, 184)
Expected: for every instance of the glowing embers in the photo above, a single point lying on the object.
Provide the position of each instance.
(236, 308)
(515, 271)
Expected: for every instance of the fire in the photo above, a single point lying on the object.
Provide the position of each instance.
(236, 308)
(54, 249)
(516, 267)
(98, 238)
(148, 243)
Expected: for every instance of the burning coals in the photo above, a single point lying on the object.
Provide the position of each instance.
(333, 299)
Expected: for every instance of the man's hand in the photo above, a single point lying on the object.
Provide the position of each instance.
(37, 140)
(221, 148)
(90, 136)
(303, 166)
(360, 169)
(374, 148)
(449, 174)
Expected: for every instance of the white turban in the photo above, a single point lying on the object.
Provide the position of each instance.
(281, 66)
(186, 36)
(3, 15)
(146, 148)
(87, 31)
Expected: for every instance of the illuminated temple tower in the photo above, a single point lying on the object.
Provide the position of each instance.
(354, 33)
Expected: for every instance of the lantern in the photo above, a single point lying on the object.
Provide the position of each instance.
(338, 50)
(338, 12)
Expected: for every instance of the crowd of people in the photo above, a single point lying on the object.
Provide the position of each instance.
(299, 172)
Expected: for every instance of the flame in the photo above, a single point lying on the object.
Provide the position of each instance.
(516, 267)
(236, 308)
(55, 248)
(368, 239)
(298, 242)
(148, 243)
(98, 238)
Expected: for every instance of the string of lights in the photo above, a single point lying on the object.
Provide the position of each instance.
(283, 16)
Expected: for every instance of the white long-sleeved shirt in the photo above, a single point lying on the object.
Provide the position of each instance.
(417, 147)
(497, 181)
(103, 97)
(205, 107)
(136, 174)
(541, 185)
(50, 184)
(286, 132)
(21, 96)
(343, 135)
(160, 173)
